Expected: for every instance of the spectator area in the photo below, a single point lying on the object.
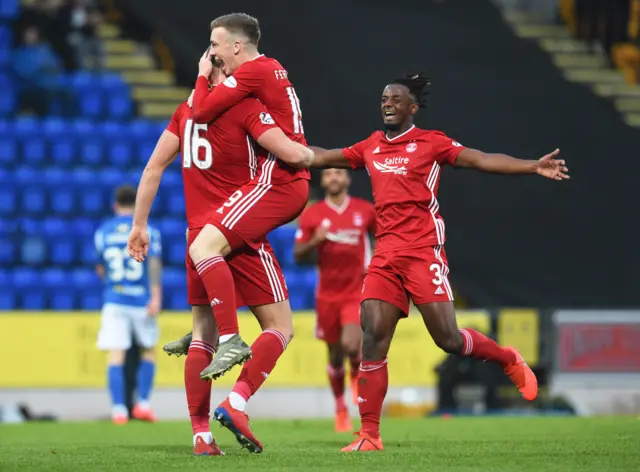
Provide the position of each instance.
(57, 178)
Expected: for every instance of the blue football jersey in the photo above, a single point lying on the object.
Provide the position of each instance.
(126, 281)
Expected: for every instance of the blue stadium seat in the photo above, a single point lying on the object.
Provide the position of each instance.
(282, 240)
(174, 279)
(63, 250)
(64, 299)
(8, 152)
(6, 37)
(7, 251)
(54, 127)
(34, 151)
(8, 299)
(120, 154)
(34, 200)
(63, 152)
(85, 228)
(33, 251)
(62, 199)
(24, 279)
(81, 127)
(55, 280)
(91, 104)
(8, 200)
(9, 9)
(145, 149)
(112, 81)
(31, 227)
(25, 127)
(91, 299)
(88, 254)
(298, 300)
(177, 300)
(91, 152)
(119, 105)
(175, 250)
(9, 227)
(8, 100)
(171, 227)
(85, 278)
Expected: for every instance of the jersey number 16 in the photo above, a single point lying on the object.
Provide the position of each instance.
(192, 144)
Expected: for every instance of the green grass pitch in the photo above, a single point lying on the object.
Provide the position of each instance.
(458, 444)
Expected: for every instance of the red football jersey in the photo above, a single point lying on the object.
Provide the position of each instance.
(405, 175)
(345, 254)
(220, 157)
(265, 79)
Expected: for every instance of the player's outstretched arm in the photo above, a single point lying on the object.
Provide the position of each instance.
(164, 154)
(329, 159)
(277, 143)
(547, 166)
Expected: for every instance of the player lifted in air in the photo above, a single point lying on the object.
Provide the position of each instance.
(219, 162)
(276, 199)
(405, 163)
(132, 299)
(338, 229)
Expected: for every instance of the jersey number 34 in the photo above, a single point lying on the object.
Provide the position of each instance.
(192, 144)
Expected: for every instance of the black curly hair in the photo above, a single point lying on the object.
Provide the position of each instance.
(418, 86)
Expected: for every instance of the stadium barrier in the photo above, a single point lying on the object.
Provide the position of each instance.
(62, 353)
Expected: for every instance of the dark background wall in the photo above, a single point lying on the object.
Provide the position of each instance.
(511, 241)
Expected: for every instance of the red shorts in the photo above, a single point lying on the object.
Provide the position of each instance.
(421, 274)
(256, 275)
(333, 315)
(256, 208)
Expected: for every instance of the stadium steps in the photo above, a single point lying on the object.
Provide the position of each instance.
(153, 89)
(582, 64)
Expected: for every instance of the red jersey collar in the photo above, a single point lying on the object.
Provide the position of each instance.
(400, 135)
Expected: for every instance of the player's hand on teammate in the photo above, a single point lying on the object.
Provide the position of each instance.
(138, 244)
(205, 66)
(551, 167)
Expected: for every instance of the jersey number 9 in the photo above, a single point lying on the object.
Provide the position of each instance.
(122, 267)
(192, 144)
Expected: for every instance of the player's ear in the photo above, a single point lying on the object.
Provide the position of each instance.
(236, 47)
(414, 108)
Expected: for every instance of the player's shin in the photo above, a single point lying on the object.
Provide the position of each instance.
(266, 349)
(481, 347)
(115, 376)
(373, 383)
(198, 391)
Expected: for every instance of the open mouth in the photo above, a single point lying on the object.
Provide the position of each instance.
(389, 114)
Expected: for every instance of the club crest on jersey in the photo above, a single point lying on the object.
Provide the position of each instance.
(456, 143)
(266, 119)
(357, 219)
(326, 223)
(412, 147)
(230, 82)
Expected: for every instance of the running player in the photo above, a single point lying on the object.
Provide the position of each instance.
(263, 206)
(404, 163)
(217, 159)
(338, 228)
(132, 299)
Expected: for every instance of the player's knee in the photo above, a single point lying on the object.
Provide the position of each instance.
(197, 251)
(116, 357)
(149, 354)
(451, 342)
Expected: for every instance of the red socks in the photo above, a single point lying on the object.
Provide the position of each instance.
(198, 391)
(373, 383)
(480, 347)
(217, 279)
(336, 380)
(266, 350)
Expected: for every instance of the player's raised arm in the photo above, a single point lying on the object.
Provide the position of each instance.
(329, 159)
(547, 166)
(164, 154)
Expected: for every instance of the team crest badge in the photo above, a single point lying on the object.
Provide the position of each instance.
(357, 219)
(412, 147)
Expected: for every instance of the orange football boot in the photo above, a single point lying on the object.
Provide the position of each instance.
(144, 414)
(202, 448)
(364, 443)
(343, 422)
(522, 376)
